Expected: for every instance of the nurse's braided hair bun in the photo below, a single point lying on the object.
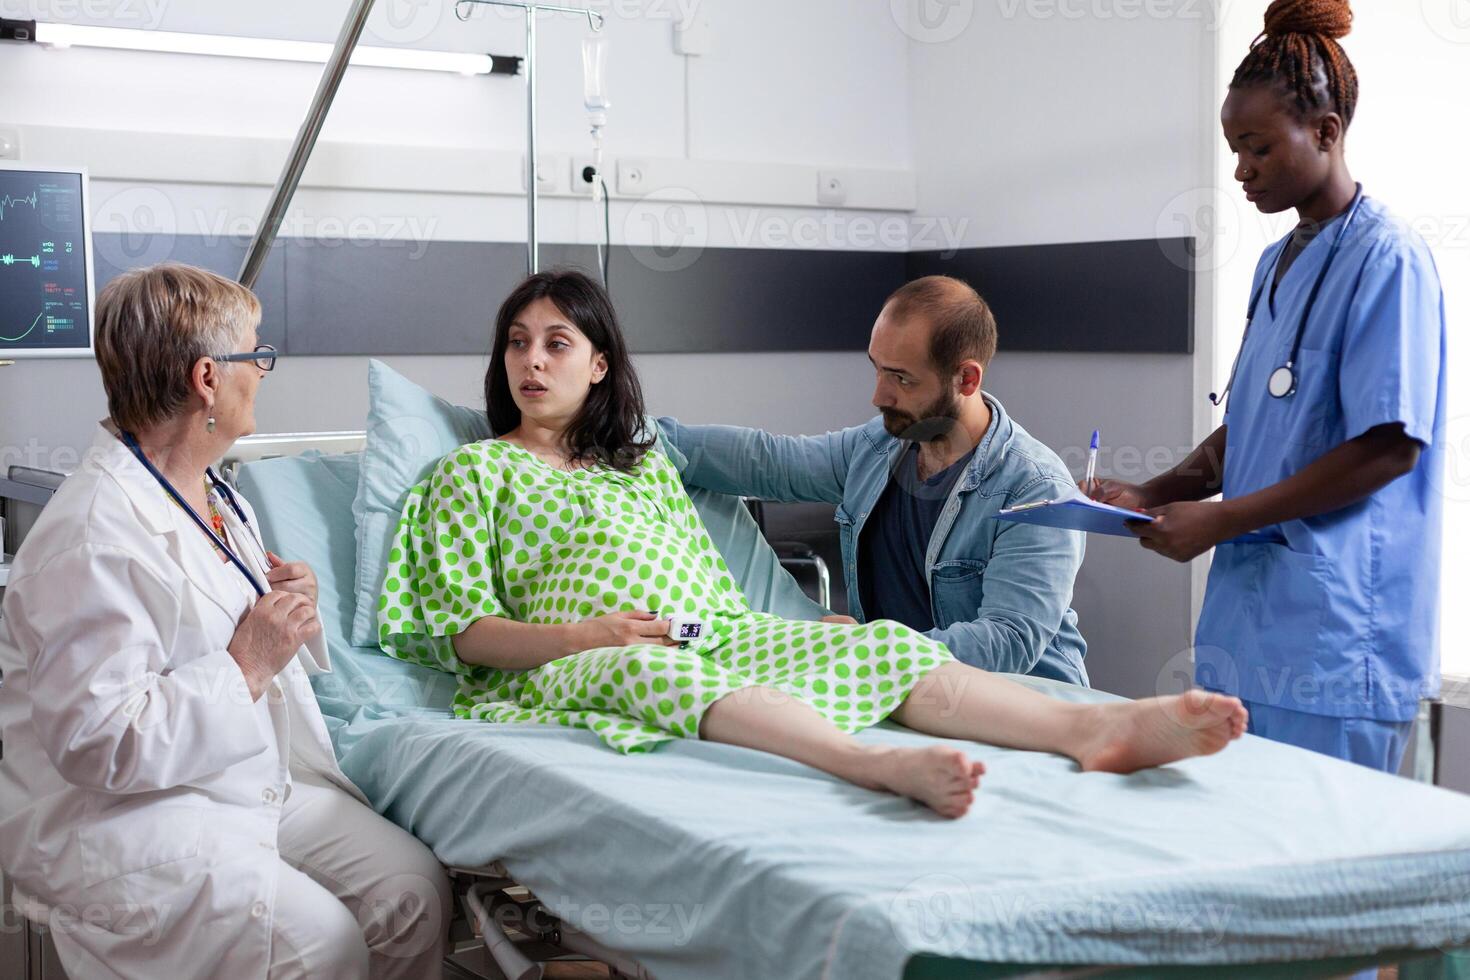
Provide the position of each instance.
(1298, 54)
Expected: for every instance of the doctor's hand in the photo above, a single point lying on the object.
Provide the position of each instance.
(293, 576)
(1129, 496)
(269, 636)
(1183, 530)
(839, 618)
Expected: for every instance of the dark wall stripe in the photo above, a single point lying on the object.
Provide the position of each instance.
(392, 298)
(746, 299)
(723, 300)
(388, 297)
(1133, 297)
(116, 252)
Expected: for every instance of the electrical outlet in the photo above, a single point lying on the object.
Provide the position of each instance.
(581, 187)
(548, 172)
(9, 143)
(693, 35)
(831, 188)
(632, 176)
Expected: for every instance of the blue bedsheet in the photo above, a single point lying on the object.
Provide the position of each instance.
(724, 862)
(709, 861)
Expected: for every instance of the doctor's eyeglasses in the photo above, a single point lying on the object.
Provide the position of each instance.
(264, 357)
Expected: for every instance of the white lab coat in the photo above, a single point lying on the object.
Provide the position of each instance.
(141, 788)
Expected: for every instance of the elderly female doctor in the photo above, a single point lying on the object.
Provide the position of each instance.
(168, 790)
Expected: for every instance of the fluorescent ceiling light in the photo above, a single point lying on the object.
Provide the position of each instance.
(127, 39)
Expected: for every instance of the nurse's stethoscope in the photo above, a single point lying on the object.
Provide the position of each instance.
(1282, 383)
(219, 485)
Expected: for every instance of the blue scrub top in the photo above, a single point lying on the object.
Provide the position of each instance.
(1336, 614)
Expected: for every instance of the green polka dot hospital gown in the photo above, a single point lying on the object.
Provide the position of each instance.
(496, 531)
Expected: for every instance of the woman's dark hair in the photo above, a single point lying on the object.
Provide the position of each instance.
(607, 429)
(1298, 55)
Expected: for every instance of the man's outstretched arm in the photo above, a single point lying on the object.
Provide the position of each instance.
(751, 463)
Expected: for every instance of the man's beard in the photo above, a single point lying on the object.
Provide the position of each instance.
(934, 422)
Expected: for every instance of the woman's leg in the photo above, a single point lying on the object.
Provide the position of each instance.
(958, 701)
(655, 693)
(940, 776)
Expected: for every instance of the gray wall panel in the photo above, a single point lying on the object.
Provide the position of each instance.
(441, 298)
(1454, 747)
(386, 297)
(116, 252)
(741, 299)
(1082, 297)
(395, 297)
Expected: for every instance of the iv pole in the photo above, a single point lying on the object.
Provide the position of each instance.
(531, 8)
(321, 102)
(311, 127)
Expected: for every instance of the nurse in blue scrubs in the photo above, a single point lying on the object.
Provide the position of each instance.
(1322, 607)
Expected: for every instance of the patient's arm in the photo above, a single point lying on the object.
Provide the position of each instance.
(752, 463)
(507, 644)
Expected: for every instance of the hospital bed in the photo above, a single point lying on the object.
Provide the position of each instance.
(702, 860)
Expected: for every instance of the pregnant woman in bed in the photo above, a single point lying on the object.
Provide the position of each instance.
(541, 566)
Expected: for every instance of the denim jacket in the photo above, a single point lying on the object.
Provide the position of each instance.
(1000, 591)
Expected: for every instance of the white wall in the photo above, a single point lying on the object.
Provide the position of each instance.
(1033, 125)
(1045, 127)
(847, 70)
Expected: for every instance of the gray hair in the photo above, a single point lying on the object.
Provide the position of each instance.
(153, 325)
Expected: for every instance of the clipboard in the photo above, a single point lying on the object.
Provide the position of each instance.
(1075, 514)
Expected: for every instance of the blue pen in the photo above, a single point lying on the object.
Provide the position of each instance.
(1091, 464)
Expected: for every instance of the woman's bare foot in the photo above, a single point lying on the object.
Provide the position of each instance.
(941, 777)
(1136, 735)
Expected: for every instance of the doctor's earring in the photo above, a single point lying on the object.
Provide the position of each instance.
(209, 426)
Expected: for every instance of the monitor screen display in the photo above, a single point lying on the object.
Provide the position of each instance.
(45, 262)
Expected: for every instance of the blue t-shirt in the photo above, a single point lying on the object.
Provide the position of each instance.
(892, 583)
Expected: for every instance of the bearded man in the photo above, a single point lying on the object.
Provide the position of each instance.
(916, 490)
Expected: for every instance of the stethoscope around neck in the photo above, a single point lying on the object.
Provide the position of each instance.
(178, 498)
(1283, 380)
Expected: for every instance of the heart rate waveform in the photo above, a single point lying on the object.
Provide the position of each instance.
(8, 202)
(28, 329)
(32, 260)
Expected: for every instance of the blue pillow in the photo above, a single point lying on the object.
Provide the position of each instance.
(409, 430)
(304, 505)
